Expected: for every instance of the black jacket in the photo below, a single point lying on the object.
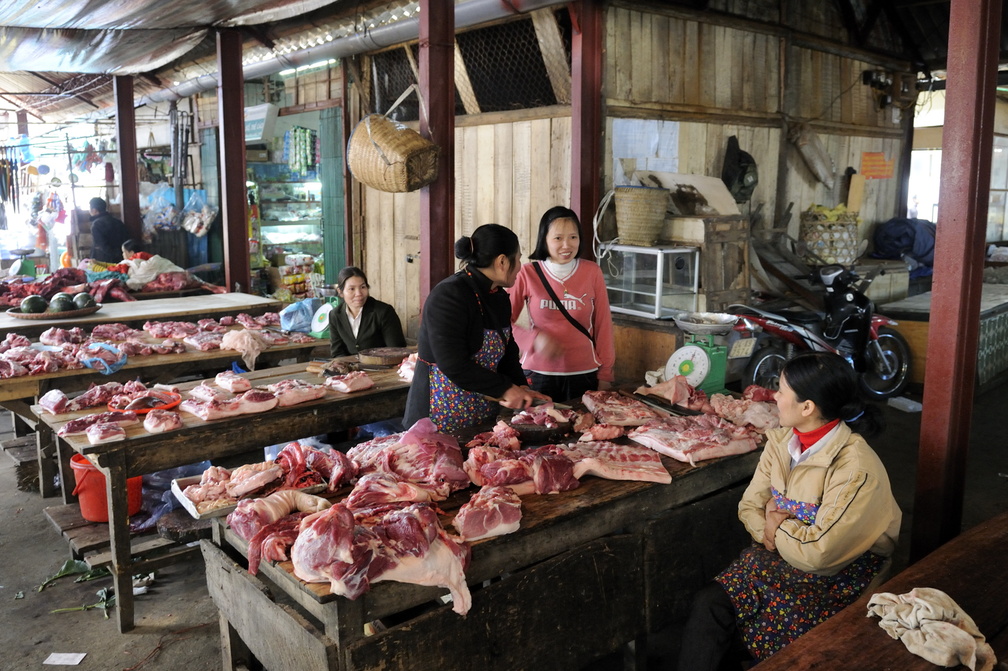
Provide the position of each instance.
(379, 327)
(108, 235)
(451, 332)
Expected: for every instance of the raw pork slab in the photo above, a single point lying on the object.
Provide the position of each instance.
(695, 438)
(356, 381)
(492, 511)
(616, 462)
(610, 407)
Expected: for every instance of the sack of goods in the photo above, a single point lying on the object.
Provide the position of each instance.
(391, 157)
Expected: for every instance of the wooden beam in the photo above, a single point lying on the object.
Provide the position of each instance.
(950, 377)
(462, 83)
(586, 110)
(437, 91)
(554, 53)
(129, 184)
(231, 114)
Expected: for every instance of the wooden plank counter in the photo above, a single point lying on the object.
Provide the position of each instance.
(575, 582)
(969, 568)
(197, 440)
(135, 313)
(17, 394)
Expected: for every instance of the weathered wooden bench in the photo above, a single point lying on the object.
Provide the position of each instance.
(970, 568)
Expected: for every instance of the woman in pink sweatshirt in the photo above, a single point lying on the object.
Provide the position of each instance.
(567, 341)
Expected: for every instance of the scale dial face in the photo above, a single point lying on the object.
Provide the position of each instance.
(691, 362)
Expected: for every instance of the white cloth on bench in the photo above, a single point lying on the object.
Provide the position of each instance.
(933, 626)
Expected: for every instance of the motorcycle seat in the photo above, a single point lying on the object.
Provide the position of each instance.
(801, 316)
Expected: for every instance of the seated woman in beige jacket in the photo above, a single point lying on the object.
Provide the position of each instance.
(821, 515)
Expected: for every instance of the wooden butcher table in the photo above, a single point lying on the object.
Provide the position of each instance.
(135, 313)
(19, 393)
(197, 441)
(588, 571)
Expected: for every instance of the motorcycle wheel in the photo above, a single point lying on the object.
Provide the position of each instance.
(887, 375)
(765, 366)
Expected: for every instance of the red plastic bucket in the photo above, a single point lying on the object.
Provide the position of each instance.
(90, 491)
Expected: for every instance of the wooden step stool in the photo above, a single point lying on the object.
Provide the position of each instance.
(25, 456)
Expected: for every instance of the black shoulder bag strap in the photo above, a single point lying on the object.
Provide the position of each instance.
(560, 306)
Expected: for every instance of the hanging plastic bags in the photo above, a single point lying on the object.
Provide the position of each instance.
(161, 214)
(198, 215)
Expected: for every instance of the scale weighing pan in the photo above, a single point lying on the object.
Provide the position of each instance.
(705, 323)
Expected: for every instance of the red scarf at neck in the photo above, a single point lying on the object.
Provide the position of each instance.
(809, 438)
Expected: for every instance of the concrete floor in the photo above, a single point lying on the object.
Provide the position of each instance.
(177, 622)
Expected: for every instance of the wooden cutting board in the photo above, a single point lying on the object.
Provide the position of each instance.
(384, 356)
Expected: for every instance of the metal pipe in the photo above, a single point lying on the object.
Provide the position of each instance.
(467, 14)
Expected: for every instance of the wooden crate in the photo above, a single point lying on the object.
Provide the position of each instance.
(724, 256)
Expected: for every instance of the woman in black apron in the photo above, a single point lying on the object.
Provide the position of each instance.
(466, 355)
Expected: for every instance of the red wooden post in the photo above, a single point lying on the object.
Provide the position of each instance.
(586, 111)
(234, 198)
(949, 381)
(129, 185)
(437, 91)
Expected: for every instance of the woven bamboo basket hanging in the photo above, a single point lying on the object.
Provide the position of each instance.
(388, 156)
(640, 213)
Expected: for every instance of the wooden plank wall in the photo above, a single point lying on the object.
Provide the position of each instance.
(751, 80)
(507, 172)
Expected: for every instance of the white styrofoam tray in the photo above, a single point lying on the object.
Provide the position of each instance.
(179, 484)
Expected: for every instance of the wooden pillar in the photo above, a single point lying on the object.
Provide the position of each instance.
(437, 92)
(129, 184)
(586, 111)
(950, 378)
(231, 112)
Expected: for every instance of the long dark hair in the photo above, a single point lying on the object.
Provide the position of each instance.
(347, 273)
(829, 381)
(487, 243)
(541, 251)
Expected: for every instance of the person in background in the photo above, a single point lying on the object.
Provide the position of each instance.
(361, 321)
(131, 251)
(467, 360)
(820, 511)
(567, 347)
(107, 233)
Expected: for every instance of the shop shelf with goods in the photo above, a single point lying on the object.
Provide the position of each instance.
(657, 282)
(290, 211)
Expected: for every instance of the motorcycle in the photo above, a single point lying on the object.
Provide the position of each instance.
(848, 326)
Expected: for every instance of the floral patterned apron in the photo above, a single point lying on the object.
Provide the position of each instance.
(775, 603)
(453, 408)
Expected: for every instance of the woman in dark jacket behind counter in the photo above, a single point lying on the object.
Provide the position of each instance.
(360, 321)
(466, 352)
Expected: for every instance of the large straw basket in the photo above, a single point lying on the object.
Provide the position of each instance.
(640, 213)
(391, 157)
(834, 241)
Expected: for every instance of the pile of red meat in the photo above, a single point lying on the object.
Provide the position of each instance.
(69, 280)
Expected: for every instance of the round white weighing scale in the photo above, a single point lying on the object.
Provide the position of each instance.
(320, 321)
(690, 361)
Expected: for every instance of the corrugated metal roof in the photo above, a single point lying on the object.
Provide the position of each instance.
(74, 47)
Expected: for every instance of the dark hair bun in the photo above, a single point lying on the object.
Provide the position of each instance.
(464, 248)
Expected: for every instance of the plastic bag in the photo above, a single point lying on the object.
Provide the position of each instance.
(158, 498)
(103, 358)
(197, 214)
(813, 153)
(161, 214)
(298, 316)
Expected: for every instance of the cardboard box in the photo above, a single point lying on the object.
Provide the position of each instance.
(257, 156)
